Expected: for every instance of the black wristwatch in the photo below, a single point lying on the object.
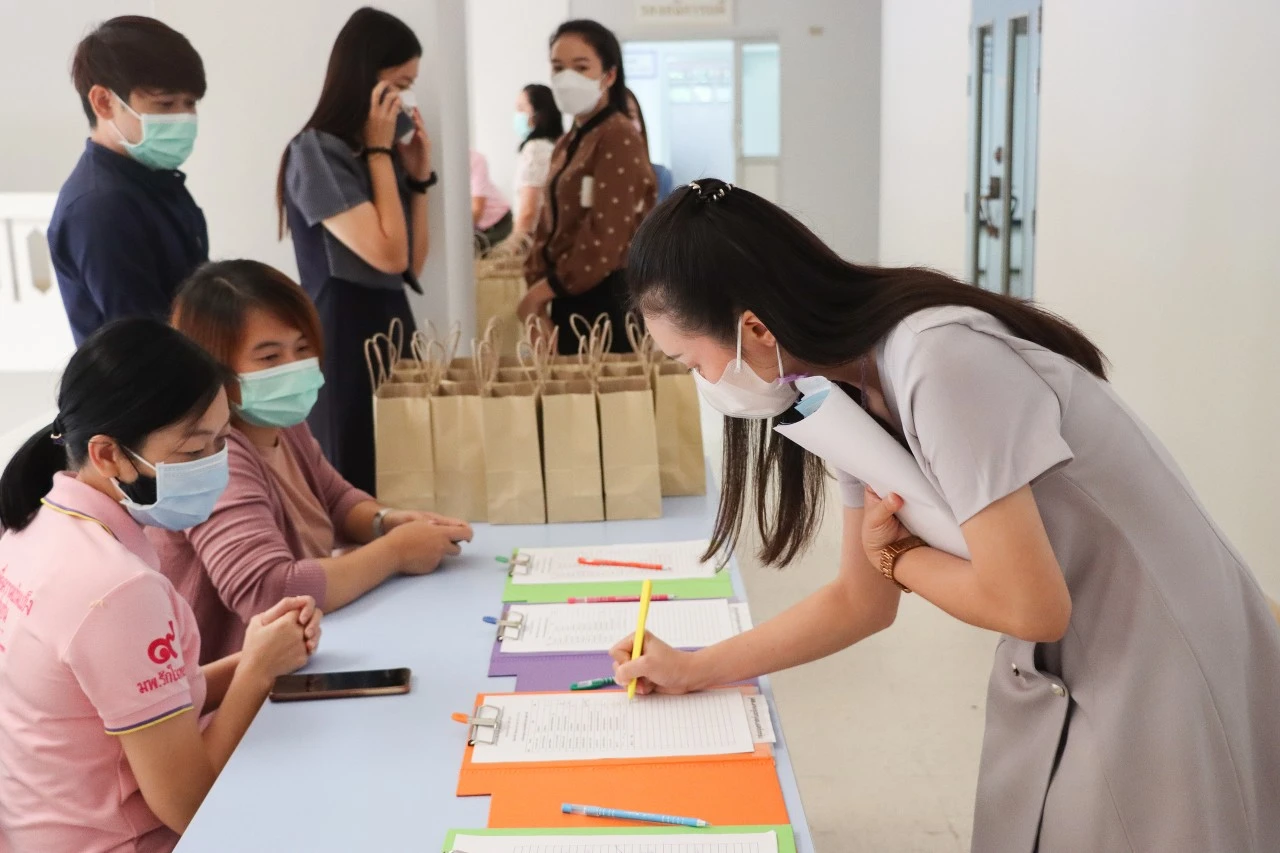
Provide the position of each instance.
(422, 186)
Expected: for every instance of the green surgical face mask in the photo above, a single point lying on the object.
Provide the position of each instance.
(167, 138)
(280, 396)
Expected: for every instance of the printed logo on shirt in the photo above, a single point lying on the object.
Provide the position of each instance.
(161, 650)
(12, 595)
(163, 678)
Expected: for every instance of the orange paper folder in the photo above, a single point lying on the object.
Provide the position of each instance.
(724, 790)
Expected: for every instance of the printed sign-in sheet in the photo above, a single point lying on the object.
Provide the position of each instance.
(593, 726)
(679, 561)
(569, 628)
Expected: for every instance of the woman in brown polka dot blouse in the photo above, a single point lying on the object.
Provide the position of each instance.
(601, 186)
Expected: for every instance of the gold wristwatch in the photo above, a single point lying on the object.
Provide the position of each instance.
(889, 557)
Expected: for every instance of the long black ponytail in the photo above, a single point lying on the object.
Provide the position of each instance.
(129, 379)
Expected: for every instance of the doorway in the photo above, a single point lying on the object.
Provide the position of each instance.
(1004, 91)
(711, 108)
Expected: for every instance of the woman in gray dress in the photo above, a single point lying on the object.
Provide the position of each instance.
(1134, 703)
(351, 191)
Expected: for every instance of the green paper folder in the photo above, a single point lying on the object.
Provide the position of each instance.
(786, 840)
(719, 585)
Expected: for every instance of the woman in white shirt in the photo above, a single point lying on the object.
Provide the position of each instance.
(538, 124)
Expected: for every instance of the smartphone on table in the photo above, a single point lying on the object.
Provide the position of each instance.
(340, 685)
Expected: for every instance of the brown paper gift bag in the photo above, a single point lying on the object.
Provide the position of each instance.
(500, 286)
(570, 432)
(513, 455)
(405, 460)
(629, 449)
(682, 466)
(457, 432)
(571, 452)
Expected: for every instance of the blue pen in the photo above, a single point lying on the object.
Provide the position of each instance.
(623, 814)
(492, 620)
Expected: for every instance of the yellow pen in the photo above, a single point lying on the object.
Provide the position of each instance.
(646, 590)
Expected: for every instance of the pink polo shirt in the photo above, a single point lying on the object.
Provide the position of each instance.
(482, 186)
(94, 643)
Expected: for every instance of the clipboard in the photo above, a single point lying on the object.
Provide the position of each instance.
(784, 833)
(543, 672)
(725, 790)
(719, 585)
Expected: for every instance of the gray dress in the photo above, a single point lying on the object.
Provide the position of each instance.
(1154, 724)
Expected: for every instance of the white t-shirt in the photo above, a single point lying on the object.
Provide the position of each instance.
(533, 167)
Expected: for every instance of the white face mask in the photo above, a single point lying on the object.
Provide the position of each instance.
(741, 393)
(575, 93)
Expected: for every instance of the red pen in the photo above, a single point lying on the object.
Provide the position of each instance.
(619, 564)
(618, 599)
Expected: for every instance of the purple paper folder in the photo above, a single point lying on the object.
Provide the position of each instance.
(536, 673)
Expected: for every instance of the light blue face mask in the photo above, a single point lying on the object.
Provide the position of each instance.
(186, 492)
(520, 124)
(167, 138)
(279, 396)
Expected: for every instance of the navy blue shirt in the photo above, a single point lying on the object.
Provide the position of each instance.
(122, 238)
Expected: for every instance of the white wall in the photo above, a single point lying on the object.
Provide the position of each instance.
(506, 51)
(924, 126)
(1158, 213)
(1158, 230)
(43, 125)
(265, 64)
(830, 69)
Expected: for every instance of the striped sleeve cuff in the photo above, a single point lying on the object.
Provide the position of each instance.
(148, 723)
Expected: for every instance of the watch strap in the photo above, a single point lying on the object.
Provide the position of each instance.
(379, 523)
(889, 557)
(422, 186)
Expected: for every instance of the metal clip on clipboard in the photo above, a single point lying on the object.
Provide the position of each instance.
(484, 725)
(511, 627)
(520, 564)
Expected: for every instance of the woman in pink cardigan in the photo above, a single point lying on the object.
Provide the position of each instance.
(274, 531)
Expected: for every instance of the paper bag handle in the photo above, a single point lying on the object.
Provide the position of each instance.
(372, 353)
(395, 339)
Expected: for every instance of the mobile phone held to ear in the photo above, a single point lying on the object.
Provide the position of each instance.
(340, 685)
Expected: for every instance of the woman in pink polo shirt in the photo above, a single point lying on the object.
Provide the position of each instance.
(102, 745)
(274, 531)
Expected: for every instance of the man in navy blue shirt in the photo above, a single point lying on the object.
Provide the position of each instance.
(125, 231)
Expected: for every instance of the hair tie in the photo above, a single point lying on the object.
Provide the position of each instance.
(705, 195)
(56, 431)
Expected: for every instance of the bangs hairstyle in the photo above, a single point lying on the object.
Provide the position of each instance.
(370, 42)
(135, 52)
(212, 304)
(709, 253)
